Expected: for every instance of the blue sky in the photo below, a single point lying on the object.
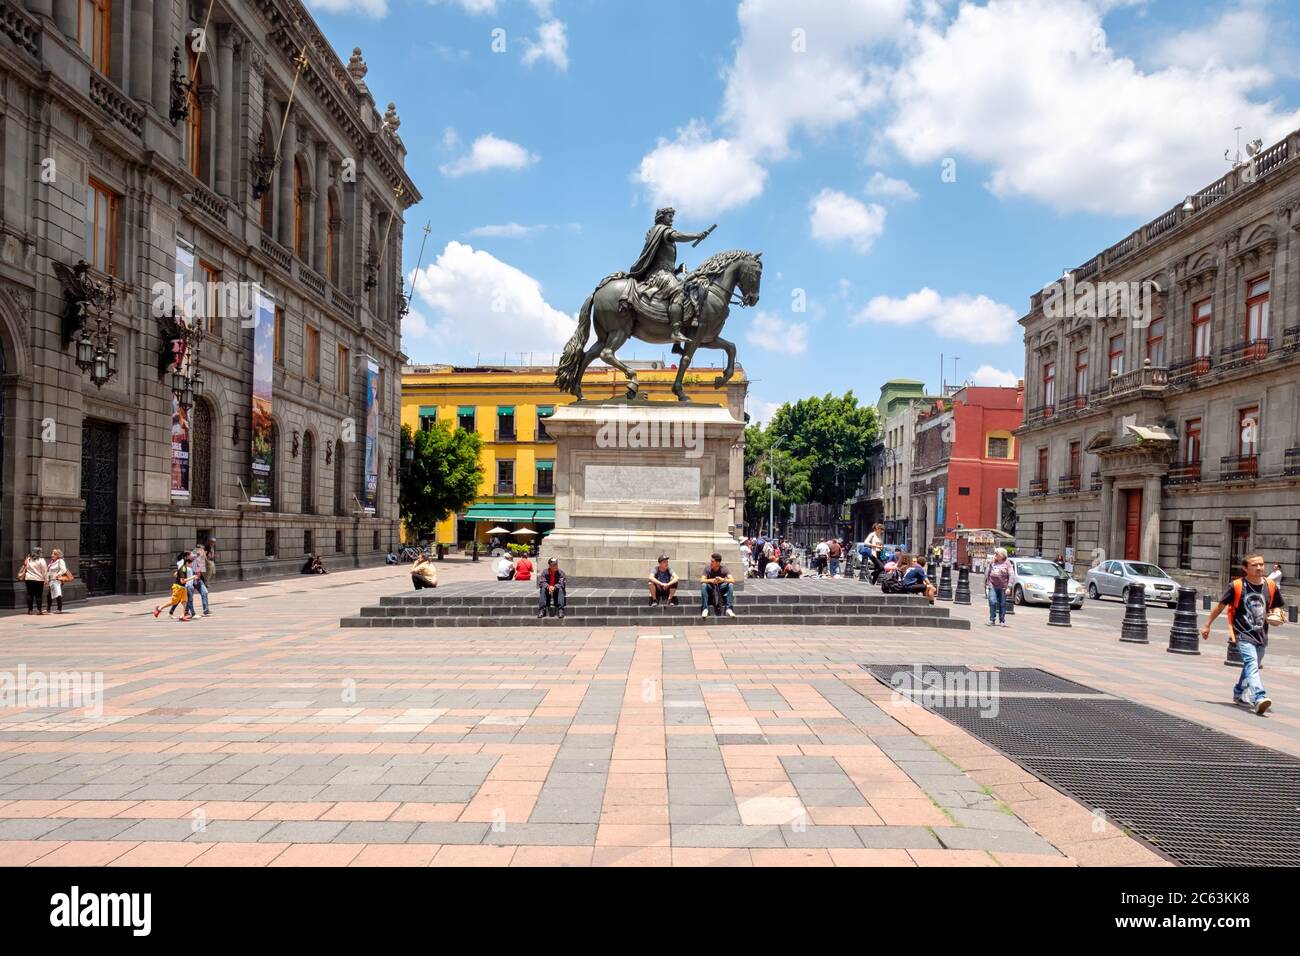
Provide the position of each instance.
(826, 133)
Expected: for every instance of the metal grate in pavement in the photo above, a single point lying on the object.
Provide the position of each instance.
(1201, 797)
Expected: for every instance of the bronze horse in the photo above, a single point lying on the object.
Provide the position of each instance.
(709, 292)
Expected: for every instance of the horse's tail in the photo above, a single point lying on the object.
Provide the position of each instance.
(568, 373)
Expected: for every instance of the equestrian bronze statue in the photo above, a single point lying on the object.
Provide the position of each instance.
(651, 303)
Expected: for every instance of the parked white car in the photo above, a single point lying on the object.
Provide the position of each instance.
(1036, 580)
(1114, 578)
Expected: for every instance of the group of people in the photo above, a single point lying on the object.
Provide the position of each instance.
(769, 558)
(512, 569)
(717, 585)
(41, 577)
(905, 574)
(190, 576)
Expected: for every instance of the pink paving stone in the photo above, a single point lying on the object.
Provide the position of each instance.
(553, 856)
(791, 857)
(363, 812)
(636, 781)
(638, 767)
(632, 856)
(98, 809)
(890, 790)
(710, 856)
(35, 809)
(851, 857)
(1117, 851)
(1032, 859)
(23, 852)
(507, 808)
(386, 855)
(318, 854)
(513, 788)
(427, 813)
(757, 774)
(291, 811)
(161, 809)
(627, 835)
(161, 854)
(536, 773)
(749, 789)
(85, 853)
(951, 858)
(636, 796)
(910, 813)
(474, 856)
(240, 854)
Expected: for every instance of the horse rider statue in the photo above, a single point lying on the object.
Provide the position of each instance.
(656, 271)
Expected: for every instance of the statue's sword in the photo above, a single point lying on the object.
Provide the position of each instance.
(705, 236)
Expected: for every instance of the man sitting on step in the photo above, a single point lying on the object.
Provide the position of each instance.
(717, 587)
(663, 583)
(550, 590)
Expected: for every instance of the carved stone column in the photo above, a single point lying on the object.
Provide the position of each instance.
(142, 52)
(163, 44)
(1151, 493)
(322, 222)
(288, 156)
(41, 8)
(1106, 519)
(227, 91)
(65, 16)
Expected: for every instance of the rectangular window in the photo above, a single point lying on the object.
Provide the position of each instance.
(338, 541)
(543, 412)
(1076, 459)
(1049, 384)
(963, 492)
(1192, 442)
(101, 227)
(311, 353)
(465, 417)
(428, 417)
(374, 541)
(1038, 538)
(279, 335)
(210, 278)
(94, 31)
(1069, 534)
(1257, 294)
(505, 476)
(308, 542)
(545, 478)
(1117, 355)
(1156, 343)
(506, 423)
(1202, 317)
(1081, 373)
(1185, 545)
(1042, 464)
(270, 542)
(999, 447)
(343, 380)
(1248, 431)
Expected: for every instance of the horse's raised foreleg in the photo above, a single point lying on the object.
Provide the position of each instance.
(730, 370)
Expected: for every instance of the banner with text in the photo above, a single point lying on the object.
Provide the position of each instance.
(263, 452)
(372, 435)
(181, 416)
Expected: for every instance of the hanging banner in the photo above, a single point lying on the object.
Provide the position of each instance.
(938, 513)
(180, 449)
(372, 436)
(263, 452)
(180, 416)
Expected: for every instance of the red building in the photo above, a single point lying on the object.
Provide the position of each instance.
(964, 457)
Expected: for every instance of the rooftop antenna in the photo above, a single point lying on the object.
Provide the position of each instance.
(1228, 152)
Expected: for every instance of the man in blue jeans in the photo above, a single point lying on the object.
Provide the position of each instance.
(199, 567)
(1252, 603)
(717, 587)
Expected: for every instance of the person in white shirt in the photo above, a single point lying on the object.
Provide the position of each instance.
(54, 575)
(505, 568)
(1276, 574)
(32, 574)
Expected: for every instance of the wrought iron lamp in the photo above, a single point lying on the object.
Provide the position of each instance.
(263, 167)
(182, 89)
(96, 344)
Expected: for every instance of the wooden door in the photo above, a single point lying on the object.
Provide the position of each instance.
(1133, 525)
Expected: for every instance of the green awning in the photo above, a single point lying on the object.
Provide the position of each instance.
(428, 411)
(546, 464)
(465, 410)
(510, 512)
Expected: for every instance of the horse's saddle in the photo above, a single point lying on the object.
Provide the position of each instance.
(648, 298)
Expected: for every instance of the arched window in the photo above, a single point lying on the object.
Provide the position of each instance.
(340, 501)
(194, 120)
(201, 455)
(297, 209)
(309, 474)
(331, 240)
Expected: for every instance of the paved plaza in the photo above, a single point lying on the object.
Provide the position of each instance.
(268, 735)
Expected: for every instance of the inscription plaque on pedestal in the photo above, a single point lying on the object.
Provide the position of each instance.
(648, 484)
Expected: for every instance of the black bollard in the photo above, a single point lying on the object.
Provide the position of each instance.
(441, 551)
(475, 557)
(1184, 638)
(1205, 602)
(1059, 613)
(1293, 613)
(1134, 628)
(962, 594)
(945, 583)
(1011, 602)
(1233, 658)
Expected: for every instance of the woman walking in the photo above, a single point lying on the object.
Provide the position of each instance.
(181, 580)
(56, 575)
(32, 574)
(999, 578)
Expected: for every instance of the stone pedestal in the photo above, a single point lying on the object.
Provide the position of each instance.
(634, 480)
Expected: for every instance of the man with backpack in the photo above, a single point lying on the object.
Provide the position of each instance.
(1253, 603)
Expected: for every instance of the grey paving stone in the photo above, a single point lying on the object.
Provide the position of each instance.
(94, 791)
(703, 814)
(543, 834)
(963, 799)
(820, 781)
(449, 833)
(376, 832)
(897, 838)
(303, 831)
(849, 796)
(823, 836)
(352, 793)
(224, 791)
(990, 819)
(165, 830)
(578, 781)
(965, 838)
(440, 778)
(580, 765)
(27, 829)
(696, 796)
(288, 793)
(726, 836)
(89, 829)
(804, 765)
(232, 831)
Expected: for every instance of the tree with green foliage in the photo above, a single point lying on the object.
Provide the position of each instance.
(792, 484)
(444, 476)
(831, 435)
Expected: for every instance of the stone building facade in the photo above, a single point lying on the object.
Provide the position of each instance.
(95, 169)
(1166, 428)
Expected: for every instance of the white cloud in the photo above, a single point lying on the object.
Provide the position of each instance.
(490, 152)
(474, 7)
(772, 333)
(1031, 88)
(373, 8)
(835, 217)
(468, 301)
(969, 318)
(761, 410)
(506, 230)
(987, 375)
(698, 174)
(552, 44)
(1239, 35)
(887, 188)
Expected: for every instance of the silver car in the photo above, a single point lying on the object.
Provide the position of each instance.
(1036, 580)
(1114, 578)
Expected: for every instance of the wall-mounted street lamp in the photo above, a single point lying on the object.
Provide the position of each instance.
(88, 319)
(182, 89)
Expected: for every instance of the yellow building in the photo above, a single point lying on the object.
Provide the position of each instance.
(508, 405)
